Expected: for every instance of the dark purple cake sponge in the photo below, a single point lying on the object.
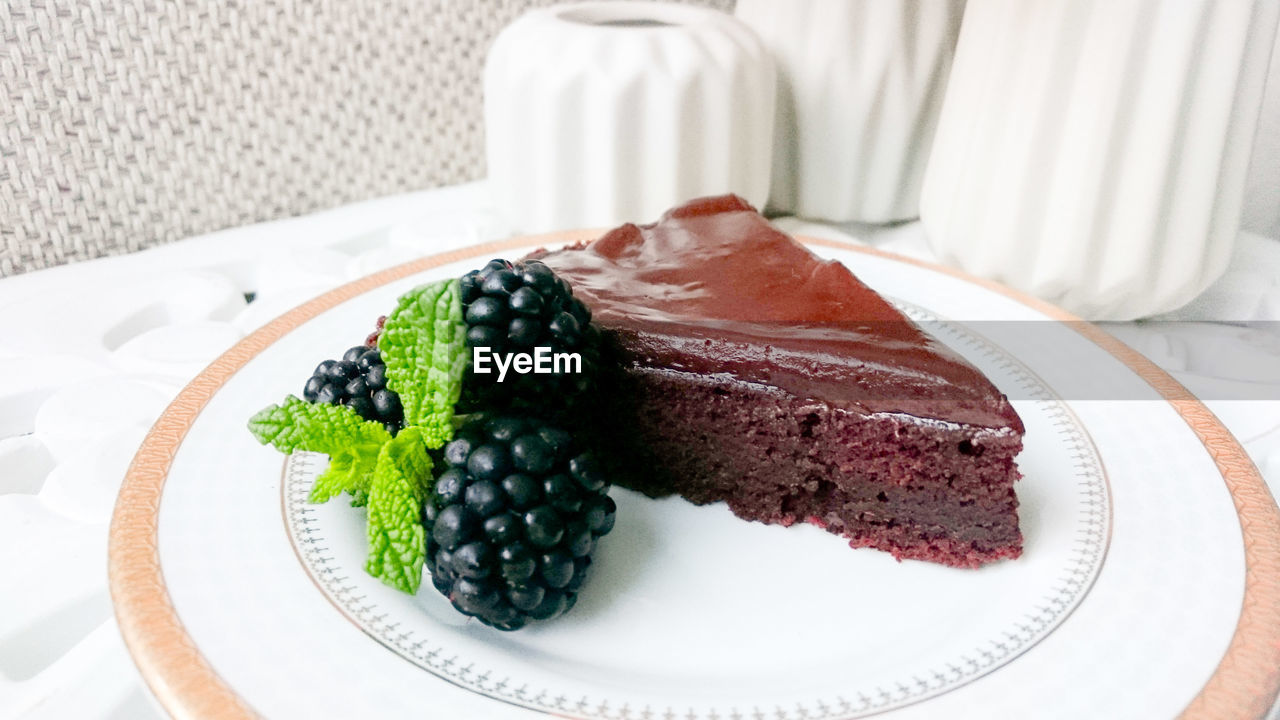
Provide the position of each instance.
(920, 489)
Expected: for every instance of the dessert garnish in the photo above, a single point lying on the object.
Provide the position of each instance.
(358, 380)
(423, 347)
(516, 308)
(514, 518)
(510, 519)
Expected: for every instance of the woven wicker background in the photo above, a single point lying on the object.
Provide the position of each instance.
(129, 123)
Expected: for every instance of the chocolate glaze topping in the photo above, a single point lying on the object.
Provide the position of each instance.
(712, 287)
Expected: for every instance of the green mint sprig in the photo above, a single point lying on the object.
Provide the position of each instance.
(423, 344)
(397, 538)
(350, 471)
(315, 427)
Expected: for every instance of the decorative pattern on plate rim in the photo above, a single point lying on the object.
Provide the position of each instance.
(1081, 569)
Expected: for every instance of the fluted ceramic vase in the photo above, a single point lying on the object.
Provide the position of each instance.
(860, 86)
(1094, 152)
(607, 112)
(1262, 188)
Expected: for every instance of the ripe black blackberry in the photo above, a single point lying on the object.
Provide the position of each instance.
(512, 521)
(359, 381)
(518, 307)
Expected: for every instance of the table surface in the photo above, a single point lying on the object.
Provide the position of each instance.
(90, 354)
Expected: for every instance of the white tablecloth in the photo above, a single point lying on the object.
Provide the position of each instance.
(90, 354)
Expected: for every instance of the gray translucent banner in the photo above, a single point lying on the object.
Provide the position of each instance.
(1215, 361)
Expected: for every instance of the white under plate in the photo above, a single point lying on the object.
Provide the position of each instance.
(1142, 547)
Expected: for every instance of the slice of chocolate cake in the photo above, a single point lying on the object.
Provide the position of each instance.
(755, 373)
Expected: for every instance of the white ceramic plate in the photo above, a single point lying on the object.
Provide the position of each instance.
(1142, 548)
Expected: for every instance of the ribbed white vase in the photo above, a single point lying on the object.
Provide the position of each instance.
(860, 86)
(1262, 188)
(606, 112)
(1094, 152)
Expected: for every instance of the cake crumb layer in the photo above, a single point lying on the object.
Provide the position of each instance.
(915, 488)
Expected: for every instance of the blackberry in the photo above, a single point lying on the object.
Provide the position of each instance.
(520, 306)
(358, 380)
(513, 519)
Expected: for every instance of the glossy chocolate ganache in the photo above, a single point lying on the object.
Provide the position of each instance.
(712, 288)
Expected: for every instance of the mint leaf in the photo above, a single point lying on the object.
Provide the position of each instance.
(423, 343)
(397, 539)
(424, 346)
(314, 427)
(350, 471)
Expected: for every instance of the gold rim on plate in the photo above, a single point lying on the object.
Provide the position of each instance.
(1244, 684)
